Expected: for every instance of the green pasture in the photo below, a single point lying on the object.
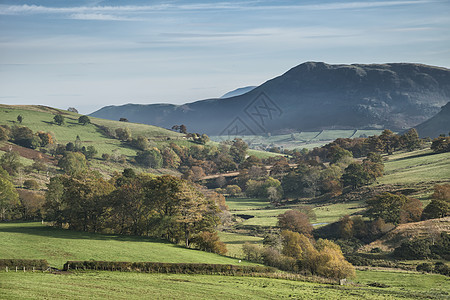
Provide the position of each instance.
(37, 241)
(416, 167)
(124, 285)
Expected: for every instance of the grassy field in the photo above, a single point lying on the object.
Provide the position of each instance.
(36, 241)
(417, 166)
(117, 285)
(305, 139)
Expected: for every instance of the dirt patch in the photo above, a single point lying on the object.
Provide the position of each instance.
(28, 153)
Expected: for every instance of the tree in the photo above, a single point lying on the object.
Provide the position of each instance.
(150, 158)
(355, 176)
(24, 137)
(296, 221)
(411, 211)
(123, 134)
(10, 162)
(441, 144)
(83, 120)
(89, 151)
(346, 227)
(140, 143)
(210, 242)
(8, 195)
(58, 119)
(183, 129)
(442, 192)
(436, 209)
(411, 139)
(387, 206)
(73, 163)
(238, 150)
(19, 119)
(31, 184)
(330, 262)
(72, 109)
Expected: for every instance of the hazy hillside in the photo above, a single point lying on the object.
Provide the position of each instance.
(439, 124)
(238, 92)
(311, 96)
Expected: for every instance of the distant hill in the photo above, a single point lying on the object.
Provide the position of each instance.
(312, 96)
(439, 124)
(238, 92)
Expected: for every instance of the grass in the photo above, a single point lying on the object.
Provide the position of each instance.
(415, 167)
(235, 241)
(333, 212)
(236, 204)
(117, 285)
(36, 241)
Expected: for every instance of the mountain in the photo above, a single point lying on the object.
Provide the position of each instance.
(238, 92)
(439, 124)
(309, 97)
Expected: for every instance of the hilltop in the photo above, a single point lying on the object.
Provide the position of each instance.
(311, 97)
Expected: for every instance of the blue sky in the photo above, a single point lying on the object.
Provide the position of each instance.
(88, 54)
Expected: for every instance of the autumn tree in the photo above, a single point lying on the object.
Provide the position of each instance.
(296, 221)
(210, 242)
(389, 207)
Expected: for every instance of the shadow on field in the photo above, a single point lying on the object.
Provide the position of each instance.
(415, 156)
(57, 233)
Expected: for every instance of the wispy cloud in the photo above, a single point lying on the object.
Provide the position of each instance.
(38, 9)
(100, 17)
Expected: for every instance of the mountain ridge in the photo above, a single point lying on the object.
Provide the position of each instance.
(311, 96)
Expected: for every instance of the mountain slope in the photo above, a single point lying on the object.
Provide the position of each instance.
(238, 92)
(439, 124)
(311, 96)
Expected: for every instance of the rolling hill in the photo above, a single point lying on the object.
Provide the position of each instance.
(439, 124)
(310, 97)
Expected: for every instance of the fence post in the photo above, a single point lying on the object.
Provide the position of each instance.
(24, 269)
(33, 269)
(16, 268)
(6, 268)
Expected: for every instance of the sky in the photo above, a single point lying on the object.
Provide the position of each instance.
(88, 54)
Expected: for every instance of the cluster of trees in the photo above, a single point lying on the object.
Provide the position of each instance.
(295, 252)
(9, 198)
(441, 144)
(293, 249)
(25, 137)
(386, 142)
(139, 204)
(420, 248)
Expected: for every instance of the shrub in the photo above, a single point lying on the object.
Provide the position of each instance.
(31, 184)
(174, 268)
(209, 241)
(414, 249)
(425, 267)
(252, 252)
(40, 264)
(442, 268)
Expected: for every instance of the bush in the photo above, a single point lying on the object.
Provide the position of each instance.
(413, 249)
(425, 267)
(173, 268)
(31, 184)
(40, 264)
(442, 269)
(209, 241)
